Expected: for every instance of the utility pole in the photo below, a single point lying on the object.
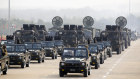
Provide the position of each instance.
(9, 25)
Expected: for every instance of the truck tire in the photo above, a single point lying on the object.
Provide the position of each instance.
(110, 54)
(43, 59)
(101, 61)
(96, 65)
(118, 51)
(56, 56)
(28, 64)
(86, 73)
(122, 47)
(5, 71)
(61, 74)
(23, 64)
(39, 60)
(53, 57)
(89, 71)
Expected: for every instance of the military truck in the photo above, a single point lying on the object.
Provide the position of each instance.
(102, 52)
(126, 37)
(75, 60)
(30, 33)
(114, 34)
(99, 40)
(59, 45)
(89, 31)
(18, 55)
(69, 36)
(4, 62)
(36, 50)
(50, 49)
(42, 33)
(57, 23)
(80, 35)
(108, 47)
(27, 34)
(95, 55)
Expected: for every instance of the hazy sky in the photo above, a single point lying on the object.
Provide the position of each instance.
(112, 5)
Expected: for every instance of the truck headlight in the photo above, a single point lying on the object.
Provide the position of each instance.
(83, 64)
(62, 64)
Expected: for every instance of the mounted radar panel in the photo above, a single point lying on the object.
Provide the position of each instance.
(121, 21)
(57, 21)
(88, 21)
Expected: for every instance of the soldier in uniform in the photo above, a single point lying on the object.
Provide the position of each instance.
(4, 51)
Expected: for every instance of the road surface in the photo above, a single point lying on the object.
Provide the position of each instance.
(123, 66)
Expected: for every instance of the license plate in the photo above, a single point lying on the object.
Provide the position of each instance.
(72, 69)
(93, 63)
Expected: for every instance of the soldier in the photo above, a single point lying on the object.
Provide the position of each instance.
(4, 51)
(87, 50)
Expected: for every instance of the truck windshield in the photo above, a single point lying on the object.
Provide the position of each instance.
(48, 44)
(37, 46)
(93, 49)
(10, 48)
(81, 53)
(28, 46)
(58, 43)
(100, 47)
(68, 53)
(20, 48)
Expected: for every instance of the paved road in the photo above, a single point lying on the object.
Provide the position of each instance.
(124, 66)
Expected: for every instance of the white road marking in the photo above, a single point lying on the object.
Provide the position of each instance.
(117, 62)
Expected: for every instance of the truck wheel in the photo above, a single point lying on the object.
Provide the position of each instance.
(5, 71)
(43, 59)
(56, 56)
(89, 72)
(101, 61)
(22, 64)
(39, 60)
(61, 74)
(28, 64)
(53, 57)
(118, 51)
(96, 66)
(110, 54)
(86, 73)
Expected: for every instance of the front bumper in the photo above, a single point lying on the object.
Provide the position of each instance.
(49, 53)
(15, 60)
(34, 56)
(93, 62)
(73, 69)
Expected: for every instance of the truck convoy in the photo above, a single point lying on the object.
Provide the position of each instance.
(80, 46)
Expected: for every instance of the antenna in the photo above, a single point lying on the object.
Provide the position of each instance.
(57, 21)
(121, 21)
(88, 21)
